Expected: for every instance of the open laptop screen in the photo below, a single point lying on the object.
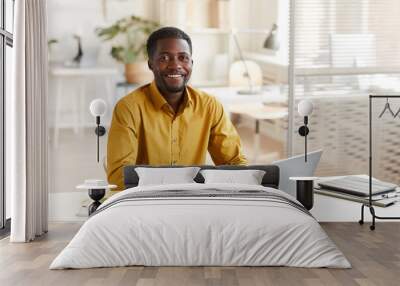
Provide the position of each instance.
(296, 167)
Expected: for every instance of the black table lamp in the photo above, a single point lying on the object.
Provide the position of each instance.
(98, 108)
(305, 108)
(271, 42)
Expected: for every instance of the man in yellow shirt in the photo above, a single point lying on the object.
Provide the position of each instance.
(168, 122)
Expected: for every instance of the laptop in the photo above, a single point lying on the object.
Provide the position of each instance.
(357, 186)
(296, 167)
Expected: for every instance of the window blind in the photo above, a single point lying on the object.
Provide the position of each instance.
(342, 52)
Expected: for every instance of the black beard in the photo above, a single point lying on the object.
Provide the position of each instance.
(175, 89)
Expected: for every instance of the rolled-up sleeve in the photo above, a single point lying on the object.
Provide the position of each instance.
(122, 146)
(224, 145)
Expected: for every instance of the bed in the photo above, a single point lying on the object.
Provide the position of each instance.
(201, 224)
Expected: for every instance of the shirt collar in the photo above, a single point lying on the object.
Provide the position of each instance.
(159, 101)
(156, 98)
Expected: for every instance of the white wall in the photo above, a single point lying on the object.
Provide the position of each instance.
(254, 14)
(66, 18)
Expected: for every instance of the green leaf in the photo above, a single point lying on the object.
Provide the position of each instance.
(117, 53)
(133, 31)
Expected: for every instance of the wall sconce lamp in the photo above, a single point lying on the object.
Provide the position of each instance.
(305, 108)
(98, 108)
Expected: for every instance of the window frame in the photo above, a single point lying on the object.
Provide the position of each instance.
(6, 39)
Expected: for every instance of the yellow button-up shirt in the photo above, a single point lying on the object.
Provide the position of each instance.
(145, 130)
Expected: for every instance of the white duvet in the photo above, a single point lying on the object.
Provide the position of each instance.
(200, 231)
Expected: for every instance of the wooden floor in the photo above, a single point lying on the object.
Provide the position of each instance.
(375, 257)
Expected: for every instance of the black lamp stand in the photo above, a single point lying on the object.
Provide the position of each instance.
(96, 195)
(305, 193)
(303, 131)
(100, 131)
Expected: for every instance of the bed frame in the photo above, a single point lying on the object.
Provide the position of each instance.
(270, 179)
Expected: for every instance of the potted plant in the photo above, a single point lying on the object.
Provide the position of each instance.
(129, 36)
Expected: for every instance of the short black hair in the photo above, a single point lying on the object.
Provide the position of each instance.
(165, 33)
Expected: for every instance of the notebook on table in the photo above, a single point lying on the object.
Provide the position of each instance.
(357, 186)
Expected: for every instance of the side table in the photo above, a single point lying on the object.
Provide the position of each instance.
(305, 190)
(96, 191)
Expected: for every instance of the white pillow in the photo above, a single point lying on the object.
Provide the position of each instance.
(249, 177)
(164, 176)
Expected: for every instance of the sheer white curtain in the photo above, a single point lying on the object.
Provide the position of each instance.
(26, 123)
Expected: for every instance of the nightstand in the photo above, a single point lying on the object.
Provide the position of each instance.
(96, 190)
(305, 190)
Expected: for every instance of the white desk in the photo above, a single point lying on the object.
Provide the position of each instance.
(328, 209)
(229, 95)
(258, 112)
(80, 75)
(255, 107)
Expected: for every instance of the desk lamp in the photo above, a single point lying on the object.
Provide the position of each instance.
(245, 70)
(97, 109)
(305, 108)
(271, 42)
(249, 72)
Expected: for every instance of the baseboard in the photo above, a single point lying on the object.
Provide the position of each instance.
(67, 206)
(67, 219)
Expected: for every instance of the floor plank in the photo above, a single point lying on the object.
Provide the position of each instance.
(375, 257)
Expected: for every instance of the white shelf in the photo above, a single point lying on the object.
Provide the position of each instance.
(250, 31)
(211, 30)
(266, 58)
(208, 31)
(209, 83)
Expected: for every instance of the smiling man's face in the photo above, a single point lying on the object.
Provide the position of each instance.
(171, 65)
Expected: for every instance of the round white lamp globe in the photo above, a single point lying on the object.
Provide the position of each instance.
(98, 107)
(305, 107)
